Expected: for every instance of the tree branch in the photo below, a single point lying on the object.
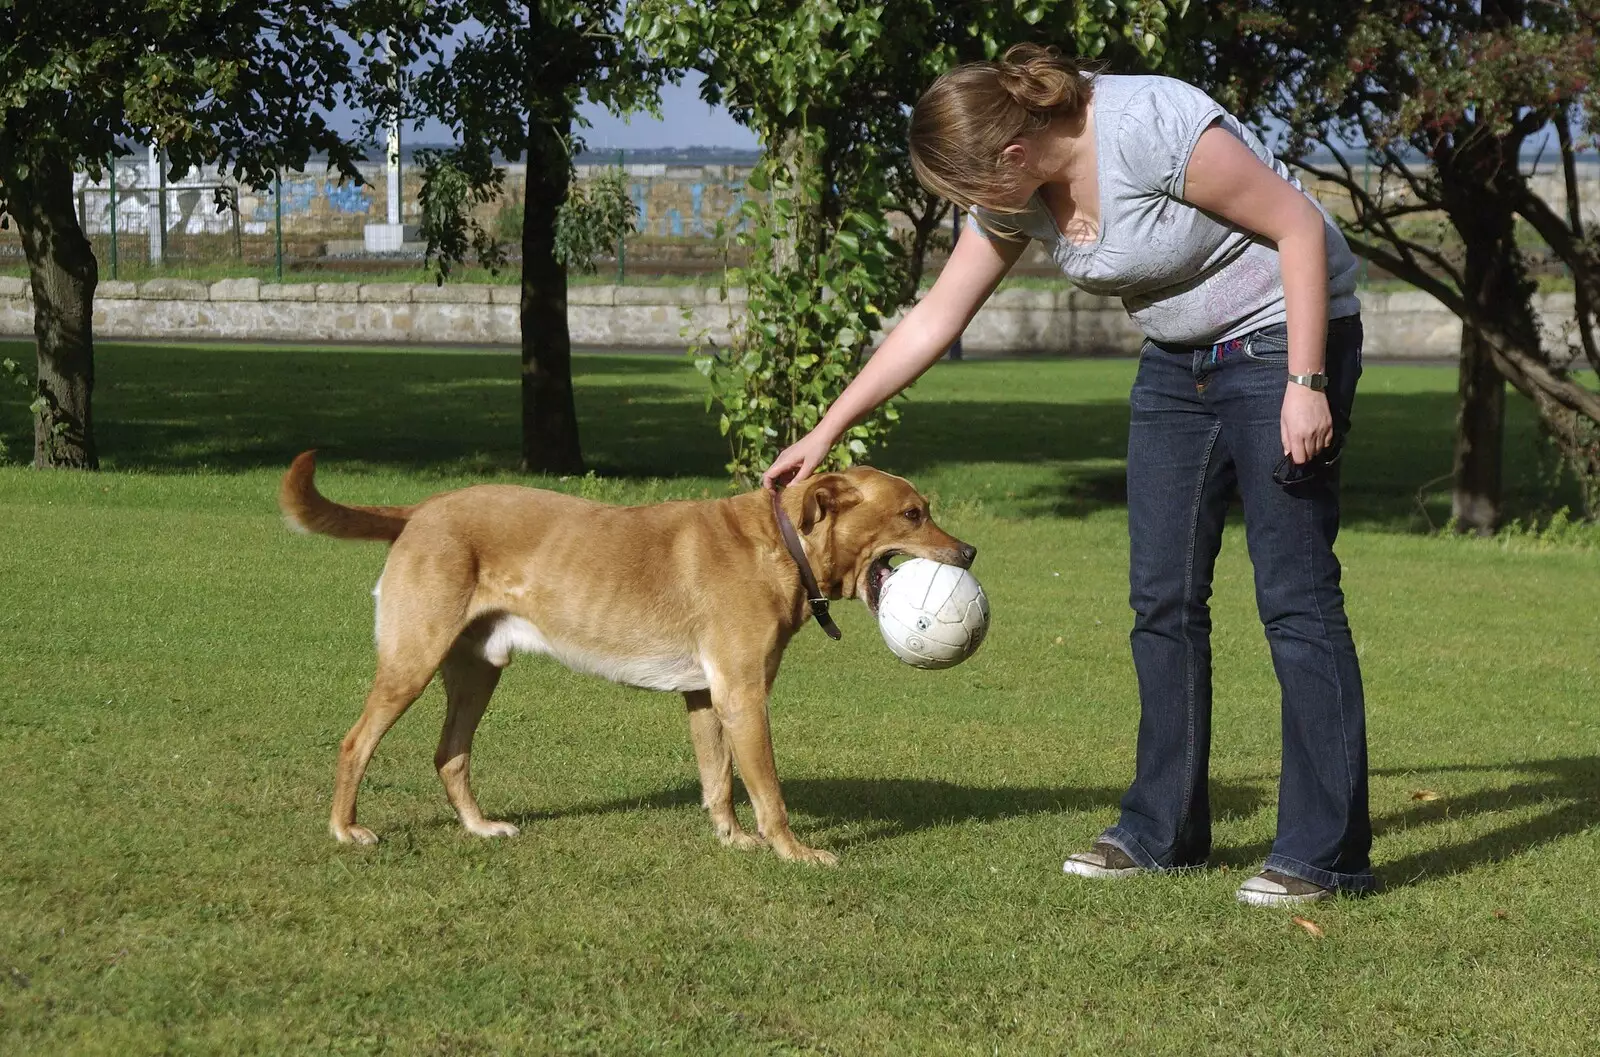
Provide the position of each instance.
(1394, 162)
(1583, 298)
(1373, 218)
(1531, 377)
(1580, 259)
(1412, 273)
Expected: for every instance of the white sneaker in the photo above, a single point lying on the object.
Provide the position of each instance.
(1269, 888)
(1104, 860)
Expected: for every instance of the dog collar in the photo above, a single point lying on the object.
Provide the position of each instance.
(808, 579)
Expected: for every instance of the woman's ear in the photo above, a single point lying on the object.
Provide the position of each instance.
(1017, 156)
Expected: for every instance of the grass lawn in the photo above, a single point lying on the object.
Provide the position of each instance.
(179, 670)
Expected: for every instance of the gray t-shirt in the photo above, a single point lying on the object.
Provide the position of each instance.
(1184, 275)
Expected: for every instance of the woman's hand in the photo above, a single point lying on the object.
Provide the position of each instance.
(796, 462)
(1306, 423)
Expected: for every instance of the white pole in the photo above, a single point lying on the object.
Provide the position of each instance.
(153, 203)
(394, 172)
(394, 147)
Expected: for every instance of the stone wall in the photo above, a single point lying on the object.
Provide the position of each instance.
(1014, 322)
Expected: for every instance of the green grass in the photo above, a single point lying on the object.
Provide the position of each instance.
(179, 670)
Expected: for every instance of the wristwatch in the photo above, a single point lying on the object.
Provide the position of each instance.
(1316, 382)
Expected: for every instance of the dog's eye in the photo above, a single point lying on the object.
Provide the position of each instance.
(913, 515)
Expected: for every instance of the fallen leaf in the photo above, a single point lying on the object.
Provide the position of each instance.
(1310, 926)
(1424, 794)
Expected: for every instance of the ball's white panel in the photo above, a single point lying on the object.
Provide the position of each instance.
(932, 615)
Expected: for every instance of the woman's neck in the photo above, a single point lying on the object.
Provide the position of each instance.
(1069, 164)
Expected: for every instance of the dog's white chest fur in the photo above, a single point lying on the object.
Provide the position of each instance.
(515, 634)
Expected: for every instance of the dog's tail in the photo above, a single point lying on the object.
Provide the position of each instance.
(307, 510)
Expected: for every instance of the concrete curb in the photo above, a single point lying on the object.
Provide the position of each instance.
(1016, 322)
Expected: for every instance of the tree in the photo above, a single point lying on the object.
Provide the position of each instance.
(826, 86)
(240, 84)
(1442, 98)
(593, 220)
(512, 87)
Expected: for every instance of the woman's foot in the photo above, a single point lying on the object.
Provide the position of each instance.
(1103, 861)
(1269, 888)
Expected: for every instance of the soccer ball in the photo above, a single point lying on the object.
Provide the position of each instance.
(932, 615)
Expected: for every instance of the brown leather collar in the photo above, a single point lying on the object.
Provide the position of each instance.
(808, 579)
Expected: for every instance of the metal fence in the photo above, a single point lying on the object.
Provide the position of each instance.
(139, 221)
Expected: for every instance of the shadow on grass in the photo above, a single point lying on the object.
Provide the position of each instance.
(1052, 453)
(893, 807)
(1396, 464)
(167, 409)
(1567, 789)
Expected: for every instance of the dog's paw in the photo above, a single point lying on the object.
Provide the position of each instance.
(491, 828)
(354, 835)
(813, 856)
(739, 840)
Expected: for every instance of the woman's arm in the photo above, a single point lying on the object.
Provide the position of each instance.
(975, 268)
(1226, 178)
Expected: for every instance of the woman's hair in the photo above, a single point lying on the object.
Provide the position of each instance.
(973, 112)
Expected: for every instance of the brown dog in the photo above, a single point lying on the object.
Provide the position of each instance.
(695, 597)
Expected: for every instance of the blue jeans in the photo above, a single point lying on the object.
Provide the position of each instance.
(1204, 426)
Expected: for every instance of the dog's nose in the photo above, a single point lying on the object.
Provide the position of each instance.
(967, 552)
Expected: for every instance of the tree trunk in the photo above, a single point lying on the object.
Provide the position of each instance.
(801, 243)
(1473, 180)
(63, 274)
(549, 415)
(1475, 499)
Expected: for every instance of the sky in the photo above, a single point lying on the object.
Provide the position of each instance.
(685, 121)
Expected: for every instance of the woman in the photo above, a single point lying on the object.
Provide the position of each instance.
(1144, 188)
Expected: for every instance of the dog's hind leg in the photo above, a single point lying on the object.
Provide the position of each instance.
(395, 687)
(469, 680)
(418, 628)
(716, 770)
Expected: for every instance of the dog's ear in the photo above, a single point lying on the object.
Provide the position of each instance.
(827, 496)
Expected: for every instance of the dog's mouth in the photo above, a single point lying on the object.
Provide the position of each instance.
(878, 575)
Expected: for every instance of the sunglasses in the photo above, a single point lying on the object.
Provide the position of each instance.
(1288, 472)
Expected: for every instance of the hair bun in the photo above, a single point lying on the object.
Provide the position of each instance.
(1039, 78)
(962, 125)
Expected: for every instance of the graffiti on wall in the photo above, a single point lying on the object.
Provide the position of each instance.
(681, 207)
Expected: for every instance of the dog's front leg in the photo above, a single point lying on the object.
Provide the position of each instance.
(716, 770)
(741, 705)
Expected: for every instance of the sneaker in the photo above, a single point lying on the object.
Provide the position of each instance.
(1269, 888)
(1103, 860)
